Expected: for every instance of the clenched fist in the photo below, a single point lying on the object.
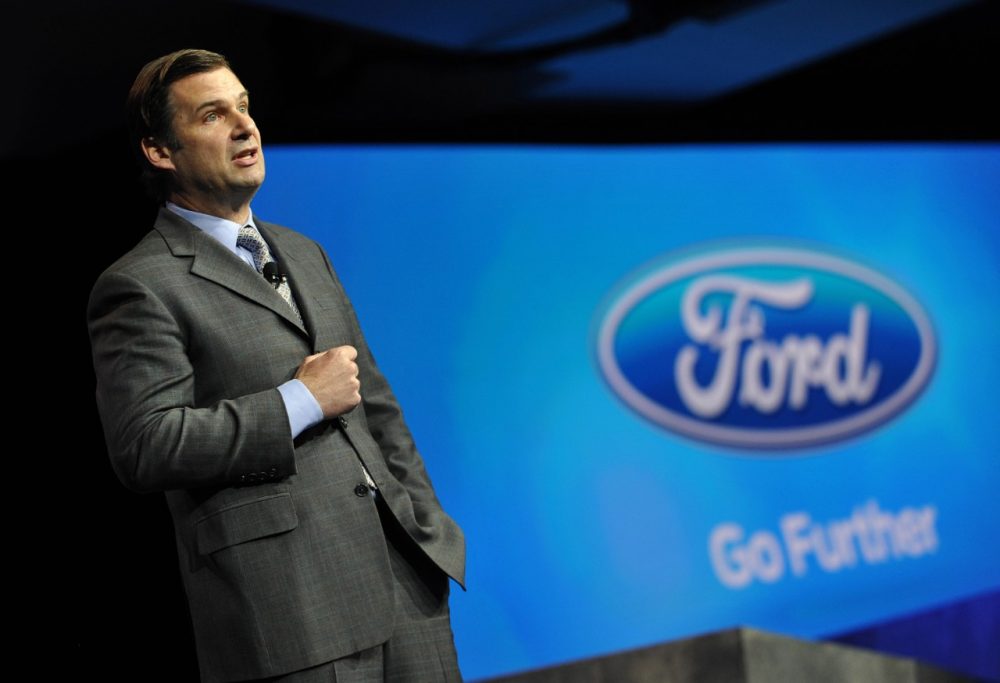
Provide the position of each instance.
(332, 377)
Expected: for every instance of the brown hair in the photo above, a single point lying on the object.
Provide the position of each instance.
(150, 108)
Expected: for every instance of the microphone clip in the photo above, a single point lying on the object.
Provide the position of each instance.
(273, 275)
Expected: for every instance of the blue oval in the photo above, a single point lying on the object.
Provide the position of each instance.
(766, 347)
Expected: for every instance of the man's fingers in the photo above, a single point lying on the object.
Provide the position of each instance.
(347, 352)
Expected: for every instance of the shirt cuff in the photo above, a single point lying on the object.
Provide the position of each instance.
(302, 407)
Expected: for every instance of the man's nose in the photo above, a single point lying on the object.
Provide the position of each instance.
(245, 127)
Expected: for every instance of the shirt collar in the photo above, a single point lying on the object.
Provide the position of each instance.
(223, 230)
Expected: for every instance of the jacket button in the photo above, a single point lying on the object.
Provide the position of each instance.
(361, 490)
(343, 421)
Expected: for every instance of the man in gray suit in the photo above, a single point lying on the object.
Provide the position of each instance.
(233, 376)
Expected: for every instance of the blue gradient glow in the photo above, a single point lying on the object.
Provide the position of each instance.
(480, 275)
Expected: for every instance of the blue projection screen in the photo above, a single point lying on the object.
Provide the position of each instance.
(675, 389)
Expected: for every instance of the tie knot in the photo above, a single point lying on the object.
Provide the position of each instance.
(250, 239)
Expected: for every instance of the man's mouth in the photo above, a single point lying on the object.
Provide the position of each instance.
(247, 157)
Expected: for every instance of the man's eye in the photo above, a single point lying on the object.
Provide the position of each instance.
(211, 116)
(244, 109)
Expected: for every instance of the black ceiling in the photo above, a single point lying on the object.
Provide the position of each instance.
(316, 80)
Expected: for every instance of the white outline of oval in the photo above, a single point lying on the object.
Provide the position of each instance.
(757, 439)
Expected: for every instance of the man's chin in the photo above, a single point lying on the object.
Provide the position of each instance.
(250, 182)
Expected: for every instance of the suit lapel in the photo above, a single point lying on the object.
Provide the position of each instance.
(214, 262)
(293, 265)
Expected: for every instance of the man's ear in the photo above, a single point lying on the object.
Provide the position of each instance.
(157, 153)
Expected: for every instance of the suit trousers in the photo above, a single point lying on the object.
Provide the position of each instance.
(422, 647)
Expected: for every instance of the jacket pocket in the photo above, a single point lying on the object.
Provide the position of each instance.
(244, 522)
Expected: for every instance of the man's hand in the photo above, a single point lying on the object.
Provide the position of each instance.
(332, 377)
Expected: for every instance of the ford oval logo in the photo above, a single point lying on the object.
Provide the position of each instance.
(770, 347)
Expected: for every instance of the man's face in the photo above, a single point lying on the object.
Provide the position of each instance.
(219, 159)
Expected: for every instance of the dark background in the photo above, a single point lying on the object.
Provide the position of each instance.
(119, 607)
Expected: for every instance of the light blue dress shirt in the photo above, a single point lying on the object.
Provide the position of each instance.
(302, 408)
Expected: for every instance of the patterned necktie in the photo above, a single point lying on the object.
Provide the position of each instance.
(250, 239)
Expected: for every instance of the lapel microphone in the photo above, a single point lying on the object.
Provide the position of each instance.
(273, 275)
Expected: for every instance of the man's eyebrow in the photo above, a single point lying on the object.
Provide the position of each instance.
(215, 103)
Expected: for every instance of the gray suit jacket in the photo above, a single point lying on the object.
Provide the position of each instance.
(284, 564)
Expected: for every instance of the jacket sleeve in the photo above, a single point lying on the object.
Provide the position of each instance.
(157, 438)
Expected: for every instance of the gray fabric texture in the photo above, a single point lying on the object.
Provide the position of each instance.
(284, 564)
